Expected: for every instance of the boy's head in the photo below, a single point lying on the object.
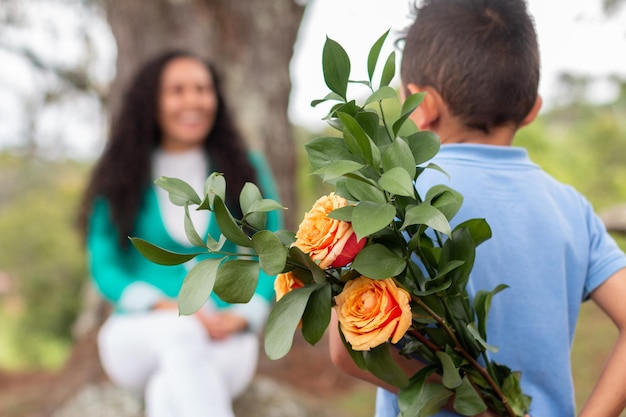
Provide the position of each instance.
(481, 56)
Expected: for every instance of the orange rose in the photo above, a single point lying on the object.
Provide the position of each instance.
(331, 242)
(285, 283)
(370, 312)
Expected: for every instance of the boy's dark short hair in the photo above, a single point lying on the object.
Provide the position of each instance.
(481, 56)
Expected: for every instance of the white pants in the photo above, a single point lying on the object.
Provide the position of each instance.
(174, 364)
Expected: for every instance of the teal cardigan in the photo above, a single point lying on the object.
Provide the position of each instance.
(119, 272)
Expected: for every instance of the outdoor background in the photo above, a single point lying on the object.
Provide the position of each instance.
(63, 64)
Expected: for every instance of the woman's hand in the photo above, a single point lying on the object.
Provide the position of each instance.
(220, 325)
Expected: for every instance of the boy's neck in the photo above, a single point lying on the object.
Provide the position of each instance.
(497, 136)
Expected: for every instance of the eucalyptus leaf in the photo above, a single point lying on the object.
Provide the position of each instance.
(369, 218)
(228, 226)
(190, 231)
(317, 314)
(249, 195)
(283, 321)
(180, 193)
(215, 245)
(237, 280)
(159, 255)
(376, 261)
(215, 185)
(374, 53)
(271, 251)
(336, 67)
(397, 181)
(286, 237)
(198, 285)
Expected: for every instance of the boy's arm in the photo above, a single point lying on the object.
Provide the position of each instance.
(608, 397)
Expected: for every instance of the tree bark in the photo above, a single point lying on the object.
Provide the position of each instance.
(250, 42)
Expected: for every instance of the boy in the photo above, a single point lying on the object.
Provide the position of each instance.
(478, 61)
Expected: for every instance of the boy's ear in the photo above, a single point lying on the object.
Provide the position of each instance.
(428, 112)
(534, 111)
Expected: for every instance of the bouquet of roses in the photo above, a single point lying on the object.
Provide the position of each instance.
(379, 253)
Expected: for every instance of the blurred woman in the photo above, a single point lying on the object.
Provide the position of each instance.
(173, 122)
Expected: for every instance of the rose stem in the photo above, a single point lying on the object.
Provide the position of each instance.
(467, 356)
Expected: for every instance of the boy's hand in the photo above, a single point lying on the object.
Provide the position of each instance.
(220, 325)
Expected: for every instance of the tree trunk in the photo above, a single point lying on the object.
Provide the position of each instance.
(250, 42)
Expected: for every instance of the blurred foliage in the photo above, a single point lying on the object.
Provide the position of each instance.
(42, 255)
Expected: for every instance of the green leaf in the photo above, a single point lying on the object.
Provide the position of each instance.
(287, 237)
(215, 185)
(356, 139)
(336, 67)
(317, 314)
(381, 94)
(159, 255)
(369, 121)
(214, 245)
(337, 169)
(408, 107)
(303, 259)
(450, 377)
(376, 261)
(197, 286)
(283, 321)
(374, 53)
(397, 181)
(356, 355)
(389, 70)
(180, 193)
(398, 155)
(459, 247)
(437, 168)
(482, 305)
(190, 231)
(237, 280)
(329, 96)
(447, 200)
(363, 191)
(272, 253)
(467, 401)
(424, 146)
(422, 399)
(369, 217)
(382, 365)
(513, 391)
(427, 215)
(249, 195)
(228, 226)
(342, 213)
(478, 228)
(265, 205)
(471, 327)
(325, 150)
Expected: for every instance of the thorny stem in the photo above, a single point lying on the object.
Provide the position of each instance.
(442, 322)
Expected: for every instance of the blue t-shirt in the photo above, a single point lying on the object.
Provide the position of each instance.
(548, 246)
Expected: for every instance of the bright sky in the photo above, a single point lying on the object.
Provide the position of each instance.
(573, 36)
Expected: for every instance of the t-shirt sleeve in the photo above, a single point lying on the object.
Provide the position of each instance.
(605, 257)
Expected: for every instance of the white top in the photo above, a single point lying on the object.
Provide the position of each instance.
(192, 167)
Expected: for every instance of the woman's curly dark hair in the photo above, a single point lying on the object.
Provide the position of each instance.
(122, 173)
